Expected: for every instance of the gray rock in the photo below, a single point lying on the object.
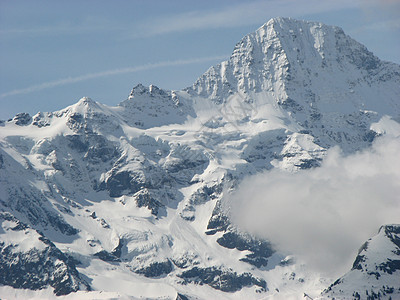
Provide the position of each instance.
(107, 256)
(22, 119)
(156, 269)
(221, 279)
(261, 250)
(37, 269)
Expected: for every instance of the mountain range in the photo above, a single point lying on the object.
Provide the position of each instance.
(130, 201)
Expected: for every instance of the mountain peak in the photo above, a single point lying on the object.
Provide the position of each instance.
(152, 90)
(283, 52)
(84, 106)
(151, 106)
(281, 21)
(288, 21)
(139, 89)
(86, 101)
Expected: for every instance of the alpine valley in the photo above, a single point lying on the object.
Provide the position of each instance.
(127, 201)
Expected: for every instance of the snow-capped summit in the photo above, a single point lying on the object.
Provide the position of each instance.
(129, 199)
(151, 106)
(139, 89)
(152, 90)
(284, 50)
(315, 73)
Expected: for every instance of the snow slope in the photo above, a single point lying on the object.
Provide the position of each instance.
(376, 269)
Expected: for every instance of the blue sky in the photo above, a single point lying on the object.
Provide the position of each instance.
(52, 53)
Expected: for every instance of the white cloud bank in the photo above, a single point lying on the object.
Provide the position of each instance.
(325, 214)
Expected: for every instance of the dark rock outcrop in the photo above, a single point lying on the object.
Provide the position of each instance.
(36, 268)
(156, 269)
(221, 279)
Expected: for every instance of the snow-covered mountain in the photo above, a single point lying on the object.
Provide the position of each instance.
(375, 272)
(128, 201)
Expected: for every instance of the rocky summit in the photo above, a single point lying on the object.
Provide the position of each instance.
(128, 201)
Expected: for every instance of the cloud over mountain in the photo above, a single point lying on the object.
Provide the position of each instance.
(323, 215)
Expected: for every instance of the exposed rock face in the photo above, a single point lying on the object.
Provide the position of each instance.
(260, 250)
(224, 280)
(28, 260)
(22, 119)
(139, 190)
(151, 106)
(156, 269)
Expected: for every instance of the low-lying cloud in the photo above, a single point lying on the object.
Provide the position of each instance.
(324, 215)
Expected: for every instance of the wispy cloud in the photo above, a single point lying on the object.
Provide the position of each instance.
(233, 15)
(248, 13)
(83, 25)
(70, 80)
(50, 30)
